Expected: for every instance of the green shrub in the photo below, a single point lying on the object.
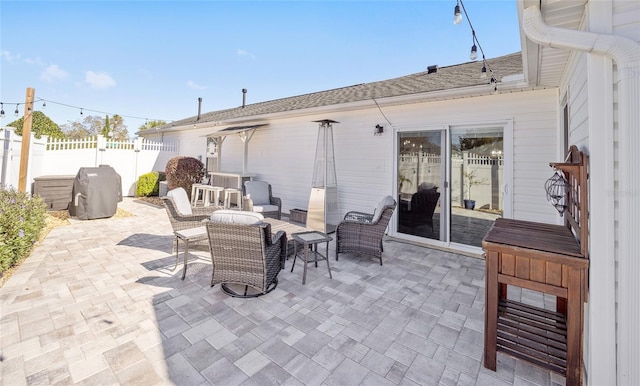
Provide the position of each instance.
(184, 172)
(149, 184)
(21, 220)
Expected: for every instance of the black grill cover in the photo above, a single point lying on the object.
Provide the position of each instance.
(96, 193)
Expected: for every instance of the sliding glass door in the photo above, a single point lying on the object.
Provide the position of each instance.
(450, 183)
(477, 177)
(421, 172)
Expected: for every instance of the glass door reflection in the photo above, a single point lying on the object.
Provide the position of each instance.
(477, 174)
(420, 182)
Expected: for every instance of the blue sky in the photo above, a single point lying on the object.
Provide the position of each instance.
(153, 59)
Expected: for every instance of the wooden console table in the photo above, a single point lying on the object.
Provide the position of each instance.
(551, 259)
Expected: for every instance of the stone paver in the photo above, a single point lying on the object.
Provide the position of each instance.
(98, 302)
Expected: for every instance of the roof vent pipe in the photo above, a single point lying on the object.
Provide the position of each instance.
(626, 53)
(199, 107)
(244, 97)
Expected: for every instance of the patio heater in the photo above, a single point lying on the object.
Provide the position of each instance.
(322, 214)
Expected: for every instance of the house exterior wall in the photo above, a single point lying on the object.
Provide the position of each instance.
(626, 21)
(591, 83)
(283, 152)
(534, 115)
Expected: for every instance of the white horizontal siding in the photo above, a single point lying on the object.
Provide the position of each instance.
(626, 21)
(283, 152)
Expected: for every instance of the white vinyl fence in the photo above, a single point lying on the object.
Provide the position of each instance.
(473, 176)
(51, 156)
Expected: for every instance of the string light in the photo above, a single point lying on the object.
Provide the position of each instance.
(82, 109)
(457, 15)
(476, 44)
(474, 48)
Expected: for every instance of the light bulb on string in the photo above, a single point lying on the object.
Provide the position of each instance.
(81, 113)
(483, 72)
(474, 48)
(457, 15)
(474, 52)
(44, 105)
(15, 113)
(1, 110)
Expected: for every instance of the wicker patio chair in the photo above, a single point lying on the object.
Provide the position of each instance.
(182, 216)
(362, 232)
(258, 198)
(244, 253)
(420, 211)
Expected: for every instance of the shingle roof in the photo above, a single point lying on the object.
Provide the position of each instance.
(446, 78)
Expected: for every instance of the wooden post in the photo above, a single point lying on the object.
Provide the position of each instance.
(26, 139)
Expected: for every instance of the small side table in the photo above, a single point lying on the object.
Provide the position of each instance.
(189, 235)
(310, 241)
(212, 194)
(227, 197)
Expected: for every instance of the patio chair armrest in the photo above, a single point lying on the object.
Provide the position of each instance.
(281, 238)
(205, 211)
(358, 217)
(192, 218)
(247, 204)
(278, 236)
(276, 201)
(277, 252)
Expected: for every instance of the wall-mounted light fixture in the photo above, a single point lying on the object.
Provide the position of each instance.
(378, 130)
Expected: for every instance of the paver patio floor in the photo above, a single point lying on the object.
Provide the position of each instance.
(98, 302)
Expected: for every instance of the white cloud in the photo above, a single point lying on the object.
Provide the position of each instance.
(242, 52)
(15, 58)
(53, 72)
(99, 80)
(36, 61)
(6, 55)
(195, 86)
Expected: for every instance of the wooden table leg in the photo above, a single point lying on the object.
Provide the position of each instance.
(575, 310)
(491, 311)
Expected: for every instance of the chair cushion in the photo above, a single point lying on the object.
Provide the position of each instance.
(387, 201)
(180, 198)
(236, 217)
(265, 208)
(426, 186)
(258, 192)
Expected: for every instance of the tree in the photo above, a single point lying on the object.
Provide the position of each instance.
(119, 131)
(151, 125)
(40, 125)
(106, 130)
(89, 126)
(93, 125)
